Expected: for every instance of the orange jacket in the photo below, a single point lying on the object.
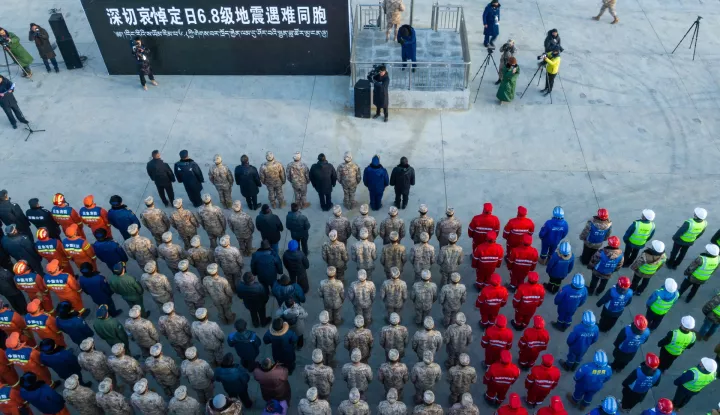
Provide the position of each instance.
(95, 218)
(53, 249)
(11, 402)
(33, 284)
(27, 359)
(79, 250)
(8, 374)
(45, 326)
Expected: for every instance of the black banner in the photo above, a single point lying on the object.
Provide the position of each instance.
(224, 37)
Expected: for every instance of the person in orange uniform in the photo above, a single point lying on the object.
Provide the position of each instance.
(8, 374)
(490, 300)
(11, 322)
(43, 324)
(65, 215)
(65, 286)
(481, 225)
(26, 358)
(516, 228)
(556, 407)
(33, 284)
(497, 339)
(51, 248)
(533, 341)
(541, 380)
(521, 261)
(94, 216)
(487, 257)
(11, 403)
(77, 248)
(528, 297)
(499, 378)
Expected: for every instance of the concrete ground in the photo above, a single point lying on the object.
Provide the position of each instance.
(630, 127)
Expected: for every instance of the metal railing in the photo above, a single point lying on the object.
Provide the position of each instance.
(446, 17)
(368, 17)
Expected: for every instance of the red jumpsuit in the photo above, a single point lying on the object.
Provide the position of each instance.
(507, 410)
(533, 341)
(556, 407)
(481, 224)
(34, 286)
(487, 257)
(12, 322)
(11, 402)
(490, 300)
(66, 287)
(27, 359)
(494, 341)
(528, 297)
(540, 382)
(8, 374)
(80, 251)
(65, 216)
(499, 378)
(516, 228)
(521, 260)
(45, 327)
(53, 249)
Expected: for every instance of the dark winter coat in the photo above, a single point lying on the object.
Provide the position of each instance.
(381, 85)
(42, 41)
(269, 226)
(247, 177)
(189, 174)
(44, 398)
(20, 246)
(63, 362)
(283, 344)
(75, 327)
(552, 43)
(323, 176)
(234, 379)
(283, 290)
(560, 266)
(7, 284)
(42, 218)
(11, 213)
(120, 217)
(491, 19)
(409, 44)
(160, 172)
(296, 264)
(273, 383)
(110, 252)
(375, 176)
(298, 225)
(266, 265)
(402, 177)
(253, 295)
(246, 343)
(97, 287)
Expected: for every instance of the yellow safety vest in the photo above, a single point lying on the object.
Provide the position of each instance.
(660, 306)
(701, 380)
(704, 271)
(680, 341)
(642, 233)
(694, 229)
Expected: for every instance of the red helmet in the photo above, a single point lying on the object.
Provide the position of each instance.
(603, 214)
(664, 406)
(42, 234)
(533, 277)
(614, 242)
(652, 360)
(58, 199)
(21, 267)
(624, 282)
(538, 322)
(640, 322)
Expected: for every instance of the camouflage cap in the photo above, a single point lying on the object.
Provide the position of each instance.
(356, 355)
(317, 356)
(201, 313)
(297, 156)
(428, 357)
(455, 277)
(394, 236)
(450, 211)
(424, 237)
(167, 237)
(428, 397)
(393, 211)
(87, 344)
(191, 352)
(425, 275)
(168, 307)
(423, 208)
(177, 203)
(333, 235)
(324, 317)
(354, 395)
(337, 210)
(467, 399)
(183, 265)
(225, 240)
(206, 198)
(150, 267)
(392, 395)
(212, 269)
(217, 159)
(133, 229)
(359, 321)
(195, 241)
(464, 359)
(452, 237)
(156, 350)
(134, 311)
(460, 318)
(364, 209)
(394, 319)
(362, 275)
(269, 156)
(105, 386)
(140, 386)
(348, 156)
(237, 206)
(429, 323)
(118, 349)
(364, 233)
(149, 201)
(72, 382)
(395, 272)
(393, 355)
(180, 392)
(331, 271)
(312, 394)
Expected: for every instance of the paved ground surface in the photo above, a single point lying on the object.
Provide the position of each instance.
(630, 127)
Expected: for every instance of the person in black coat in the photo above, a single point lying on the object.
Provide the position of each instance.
(254, 297)
(9, 104)
(189, 174)
(402, 177)
(234, 379)
(381, 98)
(247, 177)
(19, 246)
(162, 175)
(266, 264)
(9, 290)
(269, 226)
(12, 214)
(296, 264)
(42, 218)
(298, 225)
(5, 259)
(42, 41)
(323, 178)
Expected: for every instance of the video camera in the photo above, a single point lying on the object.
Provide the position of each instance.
(374, 71)
(4, 41)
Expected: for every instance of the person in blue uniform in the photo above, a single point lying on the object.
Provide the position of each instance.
(664, 406)
(107, 250)
(246, 343)
(408, 50)
(121, 217)
(568, 300)
(552, 233)
(96, 286)
(69, 322)
(608, 406)
(559, 267)
(40, 395)
(60, 359)
(614, 302)
(590, 379)
(628, 341)
(579, 341)
(639, 382)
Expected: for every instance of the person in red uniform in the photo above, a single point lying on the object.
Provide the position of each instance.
(43, 324)
(8, 374)
(528, 297)
(541, 380)
(65, 286)
(94, 216)
(26, 358)
(11, 322)
(481, 225)
(33, 284)
(499, 378)
(521, 261)
(556, 407)
(78, 249)
(51, 248)
(487, 257)
(497, 338)
(533, 341)
(490, 300)
(514, 406)
(516, 228)
(11, 403)
(65, 215)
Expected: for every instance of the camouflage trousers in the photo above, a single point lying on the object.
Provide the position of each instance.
(217, 355)
(349, 196)
(226, 314)
(300, 190)
(169, 389)
(204, 395)
(335, 315)
(158, 238)
(194, 305)
(421, 313)
(389, 310)
(214, 239)
(180, 348)
(186, 239)
(453, 358)
(444, 278)
(340, 273)
(225, 197)
(329, 358)
(449, 315)
(276, 197)
(366, 313)
(244, 245)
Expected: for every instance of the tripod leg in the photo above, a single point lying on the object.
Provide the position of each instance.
(683, 38)
(479, 69)
(18, 63)
(484, 67)
(696, 35)
(531, 80)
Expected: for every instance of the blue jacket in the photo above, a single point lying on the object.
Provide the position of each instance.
(569, 299)
(63, 362)
(663, 294)
(615, 302)
(97, 288)
(44, 398)
(409, 43)
(109, 252)
(560, 267)
(652, 411)
(637, 381)
(491, 18)
(253, 296)
(375, 176)
(554, 231)
(75, 327)
(266, 265)
(291, 290)
(630, 230)
(629, 341)
(283, 346)
(234, 379)
(247, 344)
(591, 377)
(121, 217)
(582, 337)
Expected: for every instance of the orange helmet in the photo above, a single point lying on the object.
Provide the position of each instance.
(53, 266)
(71, 231)
(89, 201)
(42, 234)
(34, 306)
(21, 267)
(13, 340)
(58, 199)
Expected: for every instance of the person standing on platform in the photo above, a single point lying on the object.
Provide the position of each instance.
(381, 95)
(40, 37)
(491, 23)
(142, 54)
(506, 91)
(406, 38)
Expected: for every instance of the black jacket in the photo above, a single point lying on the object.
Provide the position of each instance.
(247, 177)
(266, 265)
(270, 227)
(11, 212)
(19, 246)
(381, 83)
(296, 264)
(189, 174)
(160, 172)
(552, 43)
(253, 295)
(42, 218)
(402, 177)
(323, 177)
(298, 225)
(7, 284)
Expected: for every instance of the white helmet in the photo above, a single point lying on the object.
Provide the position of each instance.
(648, 214)
(700, 213)
(658, 246)
(688, 322)
(670, 285)
(709, 364)
(712, 249)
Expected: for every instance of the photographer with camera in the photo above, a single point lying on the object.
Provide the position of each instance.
(552, 67)
(406, 38)
(141, 54)
(381, 84)
(42, 42)
(8, 102)
(11, 44)
(510, 73)
(491, 23)
(508, 50)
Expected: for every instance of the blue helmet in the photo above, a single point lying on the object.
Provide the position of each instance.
(565, 248)
(600, 358)
(578, 281)
(588, 318)
(558, 212)
(609, 405)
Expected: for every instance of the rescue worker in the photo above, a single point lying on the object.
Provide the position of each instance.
(163, 369)
(393, 292)
(449, 259)
(359, 338)
(499, 378)
(568, 300)
(361, 295)
(65, 286)
(356, 373)
(222, 178)
(107, 250)
(647, 265)
(111, 402)
(608, 406)
(243, 226)
(596, 231)
(52, 248)
(324, 336)
(423, 223)
(339, 224)
(603, 264)
(125, 367)
(497, 338)
(556, 407)
(560, 265)
(170, 252)
(541, 380)
(155, 220)
(639, 382)
(391, 405)
(209, 334)
(694, 380)
(424, 375)
(33, 284)
(364, 220)
(660, 302)
(94, 361)
(422, 255)
(61, 360)
(700, 270)
(145, 401)
(334, 253)
(428, 339)
(185, 222)
(182, 404)
(393, 255)
(491, 299)
(481, 225)
(614, 302)
(121, 218)
(78, 249)
(514, 406)
(156, 284)
(80, 397)
(528, 297)
(428, 405)
(676, 342)
(579, 341)
(175, 328)
(272, 175)
(392, 224)
(447, 226)
(394, 336)
(41, 395)
(218, 288)
(461, 377)
(199, 256)
(42, 218)
(515, 229)
(21, 247)
(332, 293)
(109, 329)
(13, 321)
(686, 235)
(533, 341)
(230, 260)
(65, 215)
(319, 376)
(141, 330)
(637, 235)
(393, 374)
(349, 176)
(354, 405)
(487, 257)
(42, 323)
(424, 294)
(664, 406)
(628, 341)
(25, 357)
(452, 297)
(311, 404)
(364, 252)
(127, 287)
(212, 220)
(589, 379)
(457, 339)
(552, 233)
(190, 287)
(139, 247)
(94, 216)
(199, 374)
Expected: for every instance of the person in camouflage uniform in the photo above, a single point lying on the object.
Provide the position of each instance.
(465, 406)
(364, 221)
(349, 176)
(324, 336)
(156, 284)
(146, 401)
(230, 261)
(354, 405)
(212, 220)
(170, 252)
(428, 405)
(364, 253)
(298, 174)
(311, 405)
(141, 330)
(394, 336)
(339, 224)
(461, 377)
(182, 404)
(111, 402)
(190, 287)
(199, 256)
(428, 339)
(393, 292)
(209, 334)
(175, 328)
(424, 375)
(359, 338)
(319, 376)
(272, 175)
(125, 367)
(222, 178)
(332, 293)
(243, 226)
(448, 226)
(357, 374)
(422, 223)
(155, 220)
(457, 339)
(80, 397)
(423, 294)
(199, 374)
(449, 259)
(391, 405)
(393, 255)
(392, 224)
(164, 369)
(362, 295)
(422, 255)
(220, 292)
(452, 297)
(139, 247)
(94, 361)
(334, 253)
(185, 221)
(393, 374)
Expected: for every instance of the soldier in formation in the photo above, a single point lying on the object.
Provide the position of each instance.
(222, 178)
(461, 377)
(155, 220)
(447, 226)
(392, 224)
(422, 223)
(428, 339)
(139, 247)
(364, 220)
(189, 286)
(230, 261)
(354, 405)
(185, 221)
(125, 367)
(209, 334)
(212, 220)
(199, 374)
(422, 255)
(340, 224)
(298, 174)
(94, 361)
(364, 253)
(272, 175)
(452, 297)
(218, 288)
(335, 254)
(393, 374)
(332, 293)
(358, 375)
(242, 225)
(362, 295)
(457, 339)
(393, 254)
(450, 258)
(80, 397)
(394, 336)
(424, 293)
(146, 401)
(110, 401)
(182, 404)
(199, 256)
(349, 176)
(424, 375)
(313, 405)
(359, 338)
(428, 405)
(324, 336)
(164, 369)
(319, 376)
(391, 405)
(393, 292)
(141, 330)
(171, 252)
(156, 284)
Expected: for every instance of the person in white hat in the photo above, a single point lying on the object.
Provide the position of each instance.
(272, 175)
(349, 176)
(694, 380)
(163, 369)
(354, 405)
(298, 174)
(154, 218)
(660, 303)
(646, 265)
(222, 405)
(676, 342)
(700, 270)
(711, 310)
(212, 220)
(139, 248)
(146, 401)
(182, 404)
(222, 178)
(423, 223)
(80, 397)
(185, 221)
(686, 236)
(447, 226)
(637, 235)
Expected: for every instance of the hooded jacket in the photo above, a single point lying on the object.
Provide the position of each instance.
(283, 289)
(323, 176)
(295, 261)
(649, 256)
(253, 295)
(283, 343)
(266, 265)
(552, 43)
(560, 265)
(247, 177)
(402, 177)
(269, 226)
(375, 176)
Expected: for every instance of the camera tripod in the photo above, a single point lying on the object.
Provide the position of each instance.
(540, 69)
(483, 67)
(693, 38)
(7, 64)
